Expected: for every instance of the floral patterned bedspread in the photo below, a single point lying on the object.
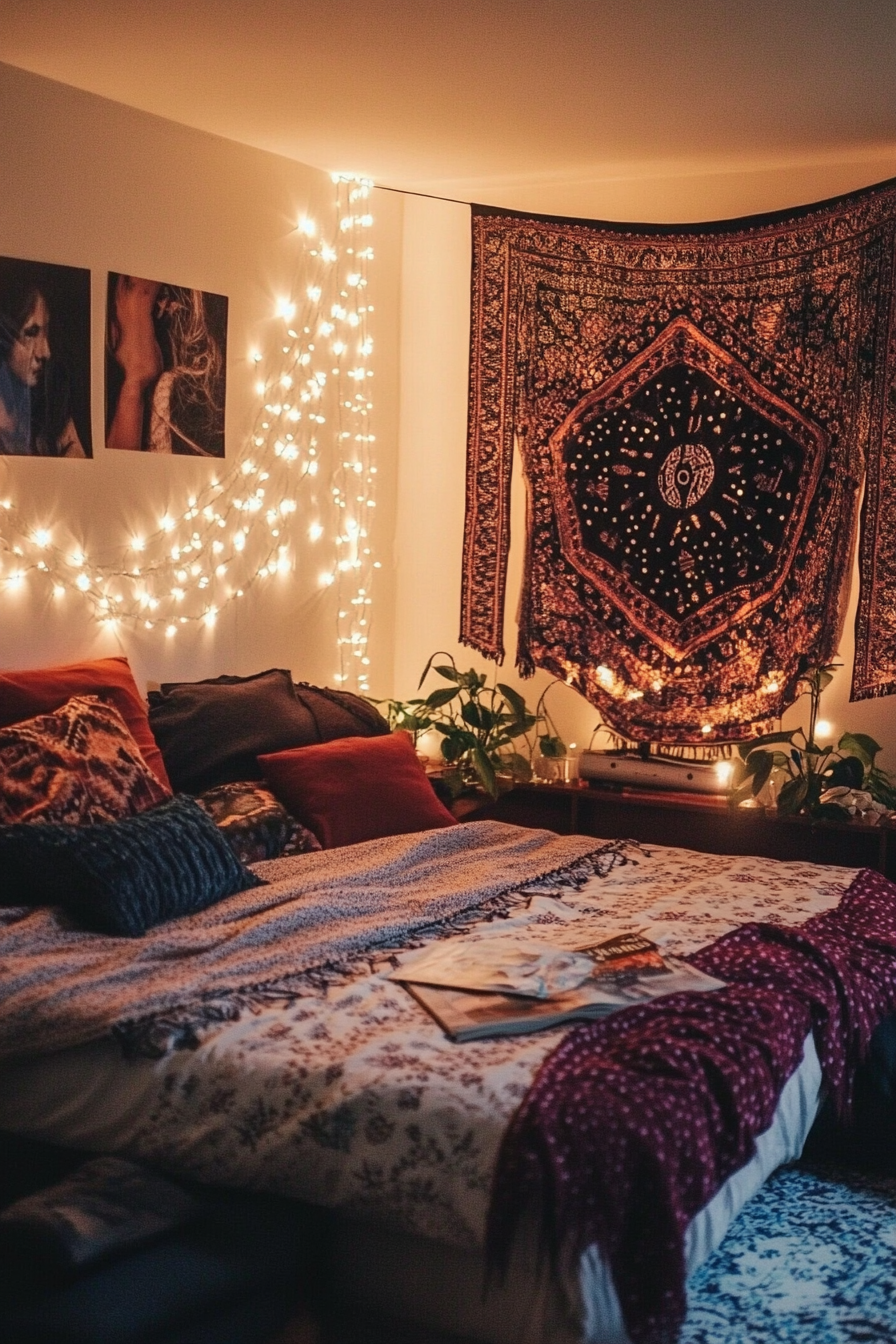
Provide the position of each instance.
(356, 1099)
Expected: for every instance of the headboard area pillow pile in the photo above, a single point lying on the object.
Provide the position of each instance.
(356, 789)
(23, 695)
(75, 765)
(124, 877)
(213, 732)
(87, 817)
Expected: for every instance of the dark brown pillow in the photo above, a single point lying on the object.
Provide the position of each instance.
(212, 732)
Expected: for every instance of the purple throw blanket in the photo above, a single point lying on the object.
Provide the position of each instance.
(634, 1122)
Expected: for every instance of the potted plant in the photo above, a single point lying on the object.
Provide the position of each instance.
(482, 726)
(824, 782)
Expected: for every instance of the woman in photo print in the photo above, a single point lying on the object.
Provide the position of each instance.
(35, 395)
(164, 368)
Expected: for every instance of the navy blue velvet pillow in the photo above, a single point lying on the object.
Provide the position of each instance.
(123, 877)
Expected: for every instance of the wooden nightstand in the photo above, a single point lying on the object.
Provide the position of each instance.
(693, 821)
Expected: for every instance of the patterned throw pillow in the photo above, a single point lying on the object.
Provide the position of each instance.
(124, 877)
(79, 764)
(254, 824)
(41, 690)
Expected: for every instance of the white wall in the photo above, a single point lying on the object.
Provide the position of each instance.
(91, 183)
(434, 352)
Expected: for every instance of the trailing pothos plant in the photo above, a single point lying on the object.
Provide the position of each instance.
(481, 725)
(811, 771)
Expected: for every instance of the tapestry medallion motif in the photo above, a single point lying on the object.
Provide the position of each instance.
(694, 410)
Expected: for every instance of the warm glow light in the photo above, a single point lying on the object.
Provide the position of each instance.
(823, 729)
(724, 771)
(237, 528)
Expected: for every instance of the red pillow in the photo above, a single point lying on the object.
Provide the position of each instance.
(24, 695)
(356, 788)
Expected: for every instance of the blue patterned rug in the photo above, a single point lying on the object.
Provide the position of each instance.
(811, 1260)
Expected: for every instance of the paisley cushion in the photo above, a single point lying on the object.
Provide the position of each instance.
(78, 764)
(42, 690)
(254, 824)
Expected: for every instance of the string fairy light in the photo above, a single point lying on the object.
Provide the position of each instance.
(306, 470)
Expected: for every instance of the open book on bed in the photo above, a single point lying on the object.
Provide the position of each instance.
(457, 985)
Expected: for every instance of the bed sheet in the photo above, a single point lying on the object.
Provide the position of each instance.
(355, 1100)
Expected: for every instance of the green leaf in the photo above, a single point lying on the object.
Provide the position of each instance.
(848, 771)
(861, 745)
(413, 723)
(742, 792)
(829, 812)
(792, 796)
(452, 750)
(757, 760)
(472, 714)
(436, 699)
(882, 787)
(552, 747)
(485, 770)
(469, 740)
(519, 767)
(517, 728)
(449, 673)
(746, 748)
(513, 698)
(762, 774)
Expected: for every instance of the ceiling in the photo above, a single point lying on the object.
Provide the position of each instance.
(535, 104)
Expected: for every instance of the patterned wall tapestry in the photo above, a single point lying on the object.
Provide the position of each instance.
(694, 410)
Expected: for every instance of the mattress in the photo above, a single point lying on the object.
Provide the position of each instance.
(354, 1101)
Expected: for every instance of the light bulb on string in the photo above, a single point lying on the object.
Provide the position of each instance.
(245, 535)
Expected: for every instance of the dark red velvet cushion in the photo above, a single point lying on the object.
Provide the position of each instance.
(356, 788)
(23, 695)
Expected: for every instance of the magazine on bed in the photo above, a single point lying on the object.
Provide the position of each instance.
(621, 970)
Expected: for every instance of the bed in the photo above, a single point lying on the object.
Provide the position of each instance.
(259, 1044)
